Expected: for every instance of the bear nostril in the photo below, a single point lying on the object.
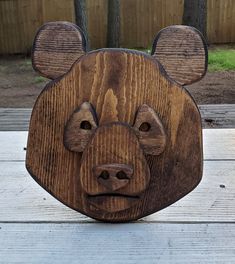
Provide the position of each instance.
(85, 125)
(121, 175)
(104, 175)
(113, 176)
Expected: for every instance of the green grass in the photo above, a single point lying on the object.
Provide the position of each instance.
(25, 65)
(221, 60)
(218, 59)
(39, 79)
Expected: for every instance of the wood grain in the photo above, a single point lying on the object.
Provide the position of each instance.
(140, 21)
(182, 51)
(23, 200)
(13, 144)
(220, 21)
(150, 130)
(56, 47)
(213, 116)
(117, 143)
(80, 127)
(131, 79)
(218, 115)
(20, 20)
(126, 243)
(113, 176)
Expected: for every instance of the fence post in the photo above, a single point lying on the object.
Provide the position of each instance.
(195, 14)
(113, 32)
(81, 17)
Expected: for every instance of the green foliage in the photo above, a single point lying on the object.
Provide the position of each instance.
(39, 79)
(25, 65)
(221, 60)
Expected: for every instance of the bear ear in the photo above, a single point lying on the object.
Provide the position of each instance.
(56, 47)
(182, 51)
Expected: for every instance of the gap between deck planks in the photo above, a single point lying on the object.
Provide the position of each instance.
(200, 228)
(218, 144)
(213, 116)
(23, 200)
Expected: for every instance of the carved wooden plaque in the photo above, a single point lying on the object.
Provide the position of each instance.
(114, 137)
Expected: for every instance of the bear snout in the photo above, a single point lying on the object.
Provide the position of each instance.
(113, 176)
(114, 162)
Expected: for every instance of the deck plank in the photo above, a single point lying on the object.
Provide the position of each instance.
(13, 145)
(123, 243)
(218, 144)
(14, 119)
(200, 228)
(23, 200)
(213, 116)
(218, 115)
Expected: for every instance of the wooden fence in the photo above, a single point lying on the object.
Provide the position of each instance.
(140, 20)
(221, 21)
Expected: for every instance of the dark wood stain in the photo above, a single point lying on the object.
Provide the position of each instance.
(183, 53)
(125, 89)
(56, 47)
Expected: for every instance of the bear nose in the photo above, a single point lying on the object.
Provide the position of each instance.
(113, 176)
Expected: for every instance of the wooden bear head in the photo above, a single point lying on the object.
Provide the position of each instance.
(115, 135)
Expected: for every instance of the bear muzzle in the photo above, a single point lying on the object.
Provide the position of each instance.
(114, 172)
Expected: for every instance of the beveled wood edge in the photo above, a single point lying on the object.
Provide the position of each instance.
(180, 212)
(76, 27)
(158, 121)
(195, 31)
(163, 72)
(114, 221)
(125, 50)
(52, 82)
(81, 107)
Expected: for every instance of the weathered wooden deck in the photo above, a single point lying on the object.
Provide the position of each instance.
(36, 228)
(213, 116)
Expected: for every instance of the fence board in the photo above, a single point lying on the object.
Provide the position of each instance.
(58, 10)
(221, 21)
(20, 19)
(140, 21)
(97, 22)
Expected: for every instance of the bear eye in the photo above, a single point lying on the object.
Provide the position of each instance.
(86, 125)
(80, 127)
(145, 127)
(150, 130)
